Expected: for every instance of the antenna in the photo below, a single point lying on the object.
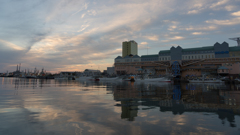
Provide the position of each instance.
(236, 39)
(147, 49)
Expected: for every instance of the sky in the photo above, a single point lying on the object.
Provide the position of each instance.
(73, 35)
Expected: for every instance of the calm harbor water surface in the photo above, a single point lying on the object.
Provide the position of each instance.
(60, 107)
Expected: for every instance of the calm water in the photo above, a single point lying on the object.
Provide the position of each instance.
(32, 107)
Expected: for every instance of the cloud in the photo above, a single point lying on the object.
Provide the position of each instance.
(143, 45)
(153, 37)
(200, 28)
(236, 13)
(230, 7)
(83, 27)
(92, 12)
(233, 21)
(7, 44)
(219, 3)
(83, 15)
(193, 12)
(197, 33)
(175, 38)
(171, 28)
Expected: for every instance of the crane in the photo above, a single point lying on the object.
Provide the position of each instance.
(236, 39)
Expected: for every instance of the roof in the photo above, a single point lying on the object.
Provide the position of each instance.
(136, 56)
(207, 48)
(118, 57)
(234, 48)
(91, 70)
(164, 51)
(222, 67)
(147, 56)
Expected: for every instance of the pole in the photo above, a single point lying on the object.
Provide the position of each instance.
(147, 49)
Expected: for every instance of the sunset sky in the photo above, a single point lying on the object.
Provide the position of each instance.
(72, 35)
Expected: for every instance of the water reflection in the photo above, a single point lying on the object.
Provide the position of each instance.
(178, 99)
(85, 107)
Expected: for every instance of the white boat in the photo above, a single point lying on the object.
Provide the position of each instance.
(205, 80)
(237, 80)
(211, 80)
(147, 78)
(109, 79)
(84, 78)
(159, 79)
(61, 78)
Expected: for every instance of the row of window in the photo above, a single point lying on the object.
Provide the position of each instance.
(183, 58)
(120, 67)
(198, 57)
(164, 58)
(197, 52)
(152, 59)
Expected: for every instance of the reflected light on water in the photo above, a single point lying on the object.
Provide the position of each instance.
(32, 106)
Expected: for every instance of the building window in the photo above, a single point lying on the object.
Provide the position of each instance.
(202, 56)
(192, 57)
(222, 70)
(189, 57)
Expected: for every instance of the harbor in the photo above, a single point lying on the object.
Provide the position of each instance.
(130, 67)
(143, 76)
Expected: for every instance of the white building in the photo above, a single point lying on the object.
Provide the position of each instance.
(91, 72)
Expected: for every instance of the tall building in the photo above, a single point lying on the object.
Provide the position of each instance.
(129, 47)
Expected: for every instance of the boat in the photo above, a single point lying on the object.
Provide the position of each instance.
(83, 77)
(60, 78)
(128, 78)
(109, 78)
(158, 79)
(205, 80)
(148, 78)
(237, 80)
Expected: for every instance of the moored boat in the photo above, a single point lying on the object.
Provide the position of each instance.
(210, 80)
(159, 79)
(109, 78)
(83, 77)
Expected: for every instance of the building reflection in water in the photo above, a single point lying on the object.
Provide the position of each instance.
(220, 99)
(209, 98)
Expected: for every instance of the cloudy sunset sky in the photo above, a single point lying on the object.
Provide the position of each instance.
(72, 35)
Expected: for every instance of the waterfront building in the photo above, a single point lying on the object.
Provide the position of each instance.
(91, 72)
(184, 62)
(110, 70)
(68, 73)
(129, 47)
